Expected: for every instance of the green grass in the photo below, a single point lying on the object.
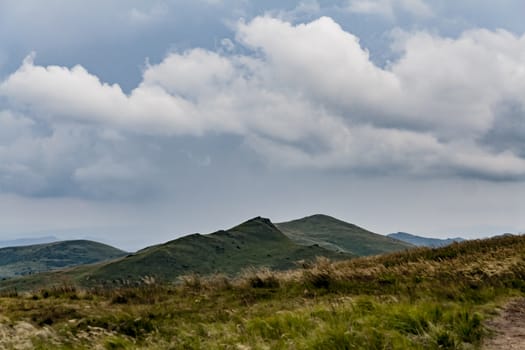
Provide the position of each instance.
(420, 299)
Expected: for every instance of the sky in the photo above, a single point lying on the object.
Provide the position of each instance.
(136, 122)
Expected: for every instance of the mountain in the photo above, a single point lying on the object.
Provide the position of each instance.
(424, 241)
(28, 260)
(254, 243)
(340, 236)
(28, 241)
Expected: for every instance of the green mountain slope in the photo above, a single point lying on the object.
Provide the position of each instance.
(255, 243)
(27, 260)
(424, 241)
(337, 235)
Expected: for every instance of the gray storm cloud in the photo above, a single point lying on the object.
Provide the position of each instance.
(305, 95)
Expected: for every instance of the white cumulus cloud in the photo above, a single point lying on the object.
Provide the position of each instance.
(305, 95)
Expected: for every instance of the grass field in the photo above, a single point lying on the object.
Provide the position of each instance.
(419, 299)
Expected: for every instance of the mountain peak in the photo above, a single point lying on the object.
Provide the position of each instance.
(259, 220)
(338, 235)
(256, 221)
(259, 228)
(320, 217)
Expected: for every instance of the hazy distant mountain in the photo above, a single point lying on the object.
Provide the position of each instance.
(28, 241)
(27, 260)
(424, 241)
(337, 235)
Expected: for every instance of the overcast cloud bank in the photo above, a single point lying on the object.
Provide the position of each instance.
(300, 95)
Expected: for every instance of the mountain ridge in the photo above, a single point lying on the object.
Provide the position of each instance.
(421, 241)
(31, 259)
(256, 242)
(338, 235)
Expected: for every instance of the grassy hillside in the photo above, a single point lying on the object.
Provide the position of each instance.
(337, 235)
(419, 299)
(255, 243)
(423, 241)
(31, 259)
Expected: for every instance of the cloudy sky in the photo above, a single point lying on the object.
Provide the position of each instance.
(134, 122)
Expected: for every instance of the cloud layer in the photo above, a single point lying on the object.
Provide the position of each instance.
(305, 95)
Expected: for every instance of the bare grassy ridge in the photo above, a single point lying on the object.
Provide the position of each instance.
(419, 299)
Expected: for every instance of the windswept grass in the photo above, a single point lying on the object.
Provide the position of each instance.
(419, 299)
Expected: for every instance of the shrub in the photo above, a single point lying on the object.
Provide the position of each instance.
(260, 279)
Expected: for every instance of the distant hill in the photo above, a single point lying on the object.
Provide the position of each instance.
(28, 241)
(340, 236)
(27, 260)
(254, 243)
(424, 241)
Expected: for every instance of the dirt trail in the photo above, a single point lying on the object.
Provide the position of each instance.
(508, 327)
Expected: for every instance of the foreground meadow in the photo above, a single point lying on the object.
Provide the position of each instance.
(418, 299)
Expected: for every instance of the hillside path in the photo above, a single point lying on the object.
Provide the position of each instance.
(508, 327)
